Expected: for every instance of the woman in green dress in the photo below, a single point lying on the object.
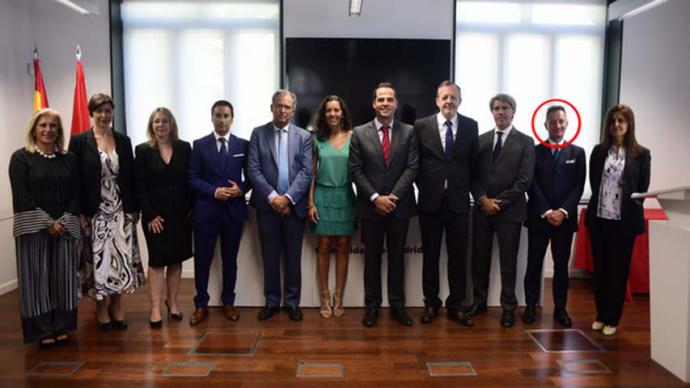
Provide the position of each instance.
(331, 198)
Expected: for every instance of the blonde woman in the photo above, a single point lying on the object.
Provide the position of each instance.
(45, 198)
(166, 204)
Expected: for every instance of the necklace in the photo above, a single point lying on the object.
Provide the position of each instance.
(47, 156)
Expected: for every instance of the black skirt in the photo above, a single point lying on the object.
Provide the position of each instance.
(173, 245)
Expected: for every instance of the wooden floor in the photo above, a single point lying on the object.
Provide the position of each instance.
(335, 352)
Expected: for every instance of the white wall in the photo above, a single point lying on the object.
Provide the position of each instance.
(56, 30)
(402, 19)
(655, 82)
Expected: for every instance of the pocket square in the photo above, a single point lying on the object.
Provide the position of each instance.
(571, 161)
(237, 155)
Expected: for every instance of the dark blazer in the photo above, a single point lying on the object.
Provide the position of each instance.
(84, 146)
(163, 190)
(636, 174)
(434, 169)
(558, 184)
(207, 171)
(263, 166)
(371, 175)
(507, 179)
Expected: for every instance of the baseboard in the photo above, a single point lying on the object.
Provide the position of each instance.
(9, 286)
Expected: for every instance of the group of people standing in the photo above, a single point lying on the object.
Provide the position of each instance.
(76, 210)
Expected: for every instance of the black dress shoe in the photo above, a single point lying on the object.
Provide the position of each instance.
(370, 316)
(104, 325)
(400, 315)
(156, 324)
(475, 309)
(461, 317)
(267, 312)
(507, 319)
(562, 317)
(430, 313)
(294, 312)
(530, 314)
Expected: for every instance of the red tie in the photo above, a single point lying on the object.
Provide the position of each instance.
(385, 143)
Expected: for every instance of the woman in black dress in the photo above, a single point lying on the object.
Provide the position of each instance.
(619, 166)
(110, 265)
(166, 204)
(45, 197)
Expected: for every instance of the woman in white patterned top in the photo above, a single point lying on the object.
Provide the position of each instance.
(619, 167)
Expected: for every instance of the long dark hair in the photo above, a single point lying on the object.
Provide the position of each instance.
(323, 131)
(632, 148)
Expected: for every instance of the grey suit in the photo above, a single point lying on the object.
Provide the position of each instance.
(506, 179)
(371, 175)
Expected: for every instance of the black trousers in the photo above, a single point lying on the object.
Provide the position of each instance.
(561, 243)
(394, 232)
(457, 228)
(611, 253)
(508, 235)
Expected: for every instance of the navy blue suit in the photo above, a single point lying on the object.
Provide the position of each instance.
(280, 235)
(214, 218)
(558, 184)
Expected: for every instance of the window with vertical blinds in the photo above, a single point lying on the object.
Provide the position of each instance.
(534, 51)
(187, 54)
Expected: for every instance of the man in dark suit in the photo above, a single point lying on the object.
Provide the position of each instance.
(505, 169)
(383, 164)
(280, 169)
(559, 179)
(216, 169)
(448, 148)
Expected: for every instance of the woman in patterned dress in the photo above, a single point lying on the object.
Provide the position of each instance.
(618, 167)
(45, 198)
(331, 198)
(111, 265)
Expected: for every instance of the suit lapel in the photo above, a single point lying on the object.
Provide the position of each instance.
(376, 142)
(293, 146)
(457, 143)
(506, 145)
(434, 135)
(395, 140)
(269, 136)
(91, 142)
(562, 157)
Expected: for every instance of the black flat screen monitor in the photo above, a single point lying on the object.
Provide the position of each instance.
(351, 68)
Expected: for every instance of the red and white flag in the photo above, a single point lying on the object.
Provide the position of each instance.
(80, 110)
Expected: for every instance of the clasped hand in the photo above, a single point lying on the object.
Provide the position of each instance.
(281, 205)
(57, 228)
(385, 204)
(490, 206)
(555, 217)
(226, 192)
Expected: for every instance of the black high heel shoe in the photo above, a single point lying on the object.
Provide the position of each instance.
(115, 324)
(104, 325)
(174, 316)
(156, 324)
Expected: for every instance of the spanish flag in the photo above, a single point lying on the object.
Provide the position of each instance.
(40, 96)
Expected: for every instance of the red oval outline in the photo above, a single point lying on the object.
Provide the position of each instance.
(579, 123)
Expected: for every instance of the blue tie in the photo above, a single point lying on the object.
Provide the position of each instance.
(282, 162)
(223, 149)
(555, 153)
(449, 139)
